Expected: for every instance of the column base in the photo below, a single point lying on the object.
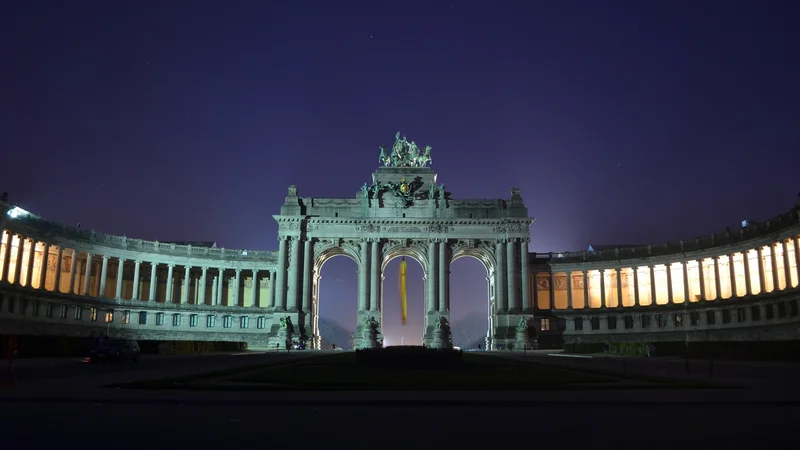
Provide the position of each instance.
(505, 335)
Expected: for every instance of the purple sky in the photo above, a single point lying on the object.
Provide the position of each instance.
(630, 123)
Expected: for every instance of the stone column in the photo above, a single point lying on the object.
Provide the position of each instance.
(168, 295)
(153, 281)
(636, 287)
(702, 278)
(272, 275)
(294, 291)
(797, 257)
(101, 292)
(670, 297)
(57, 284)
(46, 256)
(18, 262)
(774, 263)
(118, 287)
(430, 282)
(254, 287)
(500, 283)
(787, 270)
(525, 279)
(73, 272)
(31, 258)
(214, 283)
(511, 271)
(748, 284)
(7, 254)
(585, 289)
(280, 281)
(308, 268)
(375, 276)
(552, 290)
(717, 282)
(237, 287)
(201, 298)
(87, 275)
(220, 286)
(619, 287)
(137, 275)
(762, 275)
(444, 277)
(686, 292)
(363, 277)
(187, 274)
(602, 288)
(569, 289)
(733, 276)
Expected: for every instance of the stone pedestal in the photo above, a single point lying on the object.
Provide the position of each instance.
(368, 333)
(522, 341)
(442, 339)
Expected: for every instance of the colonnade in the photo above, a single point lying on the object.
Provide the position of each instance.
(25, 261)
(735, 274)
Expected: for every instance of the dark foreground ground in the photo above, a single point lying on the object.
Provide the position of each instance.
(331, 426)
(75, 411)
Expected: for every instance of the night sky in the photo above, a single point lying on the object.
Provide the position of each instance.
(622, 122)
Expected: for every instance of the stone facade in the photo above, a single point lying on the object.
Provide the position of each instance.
(57, 279)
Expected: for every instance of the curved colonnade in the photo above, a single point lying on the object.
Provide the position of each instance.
(62, 280)
(741, 285)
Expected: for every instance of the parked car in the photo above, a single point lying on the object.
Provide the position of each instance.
(115, 350)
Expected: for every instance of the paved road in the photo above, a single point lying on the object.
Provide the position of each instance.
(155, 426)
(32, 371)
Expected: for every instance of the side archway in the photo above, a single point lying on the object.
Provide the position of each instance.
(473, 320)
(339, 326)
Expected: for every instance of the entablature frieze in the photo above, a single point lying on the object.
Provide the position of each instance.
(165, 259)
(700, 306)
(678, 257)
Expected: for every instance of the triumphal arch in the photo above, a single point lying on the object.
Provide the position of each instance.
(403, 212)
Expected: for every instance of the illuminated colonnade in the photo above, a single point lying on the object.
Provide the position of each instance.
(764, 269)
(35, 264)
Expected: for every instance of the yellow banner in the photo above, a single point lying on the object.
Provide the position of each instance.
(403, 298)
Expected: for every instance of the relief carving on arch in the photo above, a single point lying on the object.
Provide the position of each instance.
(333, 246)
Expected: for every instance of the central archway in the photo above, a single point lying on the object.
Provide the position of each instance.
(394, 331)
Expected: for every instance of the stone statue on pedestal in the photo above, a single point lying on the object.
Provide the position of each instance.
(442, 337)
(523, 337)
(369, 338)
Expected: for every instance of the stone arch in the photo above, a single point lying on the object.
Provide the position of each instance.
(395, 250)
(323, 251)
(481, 254)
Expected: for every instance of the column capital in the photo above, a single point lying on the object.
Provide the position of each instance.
(105, 257)
(500, 241)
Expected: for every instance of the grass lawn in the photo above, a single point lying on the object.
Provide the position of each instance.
(475, 372)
